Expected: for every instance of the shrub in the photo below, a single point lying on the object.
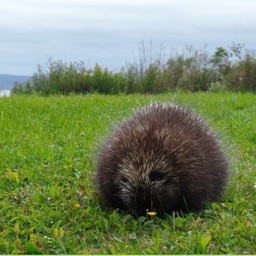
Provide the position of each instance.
(232, 68)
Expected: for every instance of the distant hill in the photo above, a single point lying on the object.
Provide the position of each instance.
(7, 81)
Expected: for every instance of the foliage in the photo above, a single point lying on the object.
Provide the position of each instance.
(193, 70)
(48, 202)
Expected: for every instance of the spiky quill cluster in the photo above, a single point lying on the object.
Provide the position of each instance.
(163, 158)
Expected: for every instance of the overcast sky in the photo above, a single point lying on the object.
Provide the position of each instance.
(109, 31)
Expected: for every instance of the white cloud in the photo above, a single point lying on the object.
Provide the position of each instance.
(109, 31)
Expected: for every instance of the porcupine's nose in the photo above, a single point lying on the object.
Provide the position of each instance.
(143, 202)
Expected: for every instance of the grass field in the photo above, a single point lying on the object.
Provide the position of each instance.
(48, 149)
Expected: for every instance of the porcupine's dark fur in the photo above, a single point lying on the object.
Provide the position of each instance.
(164, 158)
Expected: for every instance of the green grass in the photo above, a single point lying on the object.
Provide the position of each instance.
(48, 149)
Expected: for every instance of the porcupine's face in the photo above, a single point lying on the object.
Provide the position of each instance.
(147, 193)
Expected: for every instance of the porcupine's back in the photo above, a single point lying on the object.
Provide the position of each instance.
(163, 158)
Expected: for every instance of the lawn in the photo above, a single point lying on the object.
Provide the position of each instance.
(48, 203)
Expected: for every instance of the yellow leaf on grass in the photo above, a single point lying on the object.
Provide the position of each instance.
(13, 176)
(205, 240)
(58, 232)
(16, 228)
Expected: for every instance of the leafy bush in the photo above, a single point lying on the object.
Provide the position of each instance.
(233, 68)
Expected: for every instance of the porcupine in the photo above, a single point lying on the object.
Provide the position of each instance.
(163, 158)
